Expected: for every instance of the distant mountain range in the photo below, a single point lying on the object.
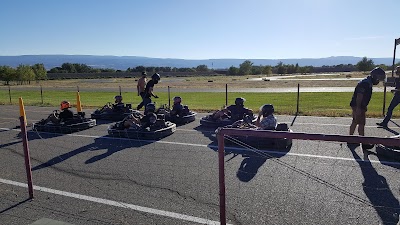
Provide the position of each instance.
(124, 62)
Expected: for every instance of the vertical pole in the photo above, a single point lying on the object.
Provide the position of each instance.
(78, 103)
(28, 169)
(221, 166)
(298, 98)
(41, 93)
(394, 57)
(384, 99)
(384, 84)
(169, 98)
(226, 94)
(9, 92)
(120, 91)
(77, 88)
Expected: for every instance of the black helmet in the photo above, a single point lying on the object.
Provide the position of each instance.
(150, 107)
(177, 99)
(267, 109)
(118, 98)
(378, 74)
(156, 76)
(240, 101)
(144, 73)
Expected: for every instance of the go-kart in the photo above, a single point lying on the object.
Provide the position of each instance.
(109, 112)
(158, 130)
(226, 120)
(259, 142)
(185, 117)
(392, 152)
(77, 123)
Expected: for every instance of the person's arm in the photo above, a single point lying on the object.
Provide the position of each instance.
(151, 92)
(258, 124)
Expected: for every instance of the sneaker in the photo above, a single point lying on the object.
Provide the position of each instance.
(382, 124)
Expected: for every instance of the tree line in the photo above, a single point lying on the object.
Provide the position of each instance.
(26, 73)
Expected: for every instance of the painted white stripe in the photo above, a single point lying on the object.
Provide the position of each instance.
(216, 147)
(114, 203)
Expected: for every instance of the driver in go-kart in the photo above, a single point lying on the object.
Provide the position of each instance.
(235, 112)
(136, 122)
(64, 115)
(268, 121)
(118, 106)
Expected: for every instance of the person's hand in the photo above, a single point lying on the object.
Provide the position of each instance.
(155, 96)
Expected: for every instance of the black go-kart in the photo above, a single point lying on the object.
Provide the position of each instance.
(392, 152)
(110, 112)
(259, 142)
(158, 130)
(77, 123)
(226, 120)
(186, 116)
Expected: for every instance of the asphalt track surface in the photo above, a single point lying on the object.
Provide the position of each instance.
(90, 178)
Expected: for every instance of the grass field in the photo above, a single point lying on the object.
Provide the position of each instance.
(315, 104)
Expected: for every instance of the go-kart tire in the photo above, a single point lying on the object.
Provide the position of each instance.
(184, 119)
(67, 127)
(169, 129)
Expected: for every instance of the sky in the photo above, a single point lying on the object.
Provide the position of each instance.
(200, 29)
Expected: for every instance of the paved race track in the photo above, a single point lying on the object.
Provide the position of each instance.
(90, 178)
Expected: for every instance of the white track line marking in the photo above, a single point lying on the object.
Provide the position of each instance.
(114, 203)
(216, 147)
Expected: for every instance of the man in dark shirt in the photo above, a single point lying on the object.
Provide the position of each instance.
(119, 105)
(149, 91)
(65, 113)
(361, 97)
(236, 111)
(177, 108)
(395, 100)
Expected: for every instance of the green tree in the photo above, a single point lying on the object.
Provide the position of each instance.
(233, 70)
(25, 73)
(69, 67)
(267, 70)
(245, 67)
(365, 64)
(40, 71)
(7, 74)
(202, 68)
(281, 68)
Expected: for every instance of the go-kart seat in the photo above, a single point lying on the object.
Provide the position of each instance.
(282, 127)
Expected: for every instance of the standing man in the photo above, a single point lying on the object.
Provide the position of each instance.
(395, 100)
(148, 91)
(141, 84)
(361, 97)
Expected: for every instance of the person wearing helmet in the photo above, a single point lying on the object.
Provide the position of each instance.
(119, 105)
(266, 119)
(395, 100)
(141, 84)
(235, 112)
(65, 114)
(148, 91)
(177, 108)
(142, 122)
(361, 97)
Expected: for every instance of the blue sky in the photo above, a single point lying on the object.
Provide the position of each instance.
(201, 29)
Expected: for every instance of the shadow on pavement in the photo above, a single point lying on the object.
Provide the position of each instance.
(99, 144)
(378, 191)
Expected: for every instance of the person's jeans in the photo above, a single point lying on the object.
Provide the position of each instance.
(395, 101)
(146, 100)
